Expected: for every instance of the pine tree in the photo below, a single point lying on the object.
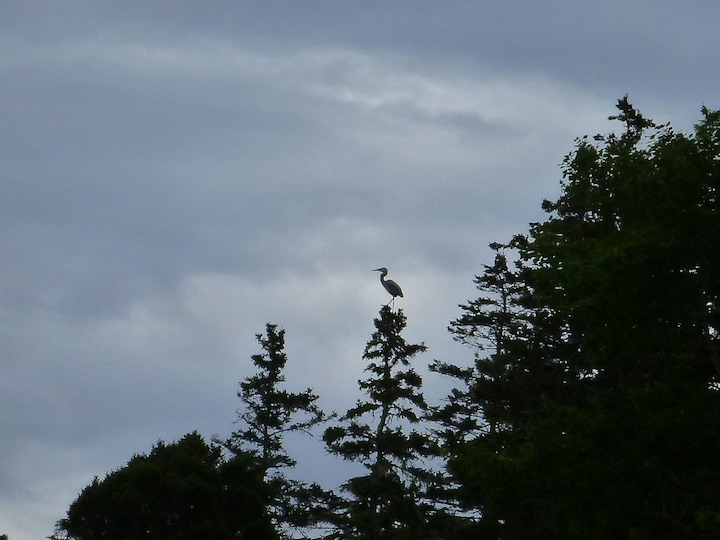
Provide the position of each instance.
(611, 399)
(381, 433)
(487, 412)
(269, 414)
(491, 325)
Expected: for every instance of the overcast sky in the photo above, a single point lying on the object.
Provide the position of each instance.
(173, 175)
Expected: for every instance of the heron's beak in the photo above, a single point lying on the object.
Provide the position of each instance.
(376, 270)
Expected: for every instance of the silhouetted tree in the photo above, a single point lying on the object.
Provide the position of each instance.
(606, 395)
(485, 405)
(381, 433)
(177, 491)
(270, 413)
(492, 325)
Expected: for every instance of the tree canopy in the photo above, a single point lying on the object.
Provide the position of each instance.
(178, 491)
(380, 432)
(591, 408)
(269, 413)
(602, 402)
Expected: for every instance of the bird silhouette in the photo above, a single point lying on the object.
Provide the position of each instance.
(390, 286)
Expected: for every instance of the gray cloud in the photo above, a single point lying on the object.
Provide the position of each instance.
(175, 175)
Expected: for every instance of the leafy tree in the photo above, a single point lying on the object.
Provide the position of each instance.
(606, 392)
(380, 432)
(271, 412)
(178, 491)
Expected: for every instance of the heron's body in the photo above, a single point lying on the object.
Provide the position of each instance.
(390, 286)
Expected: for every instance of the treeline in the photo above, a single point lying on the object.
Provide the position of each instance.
(591, 410)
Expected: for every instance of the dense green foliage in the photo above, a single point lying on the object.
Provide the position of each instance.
(178, 491)
(591, 410)
(600, 393)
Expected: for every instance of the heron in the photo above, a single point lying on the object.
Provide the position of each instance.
(390, 286)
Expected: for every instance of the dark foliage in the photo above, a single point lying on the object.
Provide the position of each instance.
(381, 433)
(592, 408)
(598, 403)
(182, 491)
(269, 413)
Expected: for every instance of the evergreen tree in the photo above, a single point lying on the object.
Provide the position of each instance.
(381, 433)
(480, 408)
(608, 390)
(269, 414)
(514, 367)
(490, 324)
